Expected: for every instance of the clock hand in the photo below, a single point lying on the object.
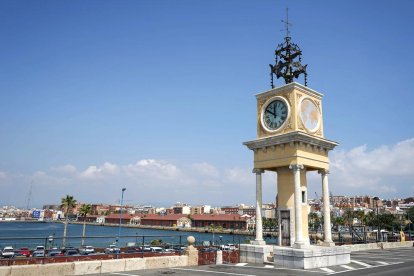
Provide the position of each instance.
(271, 112)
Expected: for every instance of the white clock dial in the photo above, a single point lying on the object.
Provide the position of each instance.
(309, 115)
(274, 113)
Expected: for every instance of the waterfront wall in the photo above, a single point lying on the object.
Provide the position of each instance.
(95, 267)
(379, 245)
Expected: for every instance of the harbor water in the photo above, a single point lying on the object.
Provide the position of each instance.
(49, 234)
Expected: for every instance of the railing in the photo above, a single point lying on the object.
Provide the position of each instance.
(207, 254)
(133, 247)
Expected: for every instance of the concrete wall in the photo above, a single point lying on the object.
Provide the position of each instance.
(379, 245)
(91, 267)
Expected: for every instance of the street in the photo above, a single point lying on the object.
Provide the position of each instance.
(375, 262)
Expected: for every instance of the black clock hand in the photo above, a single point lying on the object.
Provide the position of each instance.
(267, 110)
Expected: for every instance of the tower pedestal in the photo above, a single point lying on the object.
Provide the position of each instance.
(311, 256)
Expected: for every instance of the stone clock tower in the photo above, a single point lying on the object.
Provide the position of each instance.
(290, 142)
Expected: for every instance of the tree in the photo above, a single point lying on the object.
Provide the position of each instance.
(84, 211)
(67, 203)
(314, 221)
(360, 215)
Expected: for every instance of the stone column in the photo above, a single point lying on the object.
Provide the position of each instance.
(326, 210)
(259, 225)
(191, 252)
(299, 243)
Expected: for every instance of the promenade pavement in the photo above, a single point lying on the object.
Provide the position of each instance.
(376, 262)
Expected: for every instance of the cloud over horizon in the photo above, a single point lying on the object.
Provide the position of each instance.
(385, 171)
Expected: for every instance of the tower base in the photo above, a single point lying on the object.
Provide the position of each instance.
(311, 257)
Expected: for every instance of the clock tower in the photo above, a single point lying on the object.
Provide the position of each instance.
(290, 142)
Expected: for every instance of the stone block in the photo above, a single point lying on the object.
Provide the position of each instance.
(219, 257)
(26, 270)
(192, 255)
(5, 270)
(134, 264)
(156, 262)
(113, 265)
(87, 267)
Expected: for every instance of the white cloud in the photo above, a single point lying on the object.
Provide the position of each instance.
(206, 169)
(154, 168)
(3, 175)
(94, 172)
(385, 171)
(382, 170)
(239, 175)
(65, 169)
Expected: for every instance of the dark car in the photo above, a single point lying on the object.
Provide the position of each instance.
(71, 252)
(55, 253)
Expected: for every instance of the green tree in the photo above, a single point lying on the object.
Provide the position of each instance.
(360, 215)
(370, 219)
(339, 221)
(388, 221)
(84, 211)
(314, 220)
(67, 204)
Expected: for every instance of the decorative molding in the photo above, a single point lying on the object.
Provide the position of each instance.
(295, 136)
(258, 171)
(288, 87)
(323, 172)
(296, 167)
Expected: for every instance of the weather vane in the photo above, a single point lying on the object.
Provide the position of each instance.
(288, 58)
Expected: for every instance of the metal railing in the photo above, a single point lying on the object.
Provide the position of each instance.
(43, 250)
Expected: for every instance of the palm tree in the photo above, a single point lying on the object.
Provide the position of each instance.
(84, 211)
(67, 203)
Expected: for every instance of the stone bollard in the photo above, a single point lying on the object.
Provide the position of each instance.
(191, 252)
(219, 257)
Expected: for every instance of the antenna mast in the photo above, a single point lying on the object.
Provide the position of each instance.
(29, 196)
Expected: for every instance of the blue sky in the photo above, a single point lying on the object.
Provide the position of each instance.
(158, 96)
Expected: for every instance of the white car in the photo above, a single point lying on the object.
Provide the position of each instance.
(8, 252)
(112, 249)
(86, 250)
(38, 253)
(228, 246)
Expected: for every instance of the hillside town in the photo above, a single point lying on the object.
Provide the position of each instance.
(345, 210)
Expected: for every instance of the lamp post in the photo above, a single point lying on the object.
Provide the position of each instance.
(378, 226)
(120, 224)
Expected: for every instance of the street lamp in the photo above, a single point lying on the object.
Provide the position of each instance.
(378, 226)
(120, 224)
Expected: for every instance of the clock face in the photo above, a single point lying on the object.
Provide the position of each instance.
(274, 114)
(310, 115)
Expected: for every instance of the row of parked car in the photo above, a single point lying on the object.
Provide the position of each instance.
(223, 247)
(10, 252)
(24, 252)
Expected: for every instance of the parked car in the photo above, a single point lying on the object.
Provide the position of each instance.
(209, 249)
(8, 252)
(40, 247)
(54, 252)
(38, 253)
(25, 251)
(228, 246)
(112, 249)
(157, 249)
(86, 250)
(71, 252)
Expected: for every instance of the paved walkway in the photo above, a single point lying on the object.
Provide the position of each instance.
(376, 262)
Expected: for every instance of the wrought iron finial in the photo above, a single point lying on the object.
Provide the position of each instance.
(288, 59)
(287, 24)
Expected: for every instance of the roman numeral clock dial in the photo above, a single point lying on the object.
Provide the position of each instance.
(274, 113)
